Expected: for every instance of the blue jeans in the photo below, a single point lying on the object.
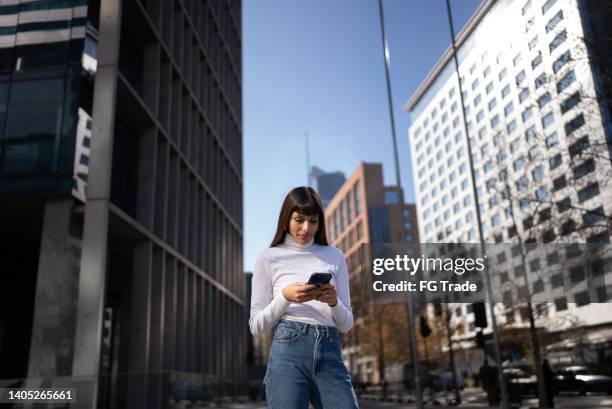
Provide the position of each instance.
(306, 366)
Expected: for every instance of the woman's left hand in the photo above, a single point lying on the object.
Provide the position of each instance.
(328, 295)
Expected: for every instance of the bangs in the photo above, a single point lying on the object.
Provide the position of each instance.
(307, 205)
(308, 209)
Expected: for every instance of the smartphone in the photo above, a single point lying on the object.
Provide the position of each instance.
(320, 278)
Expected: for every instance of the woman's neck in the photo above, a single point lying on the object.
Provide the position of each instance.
(291, 243)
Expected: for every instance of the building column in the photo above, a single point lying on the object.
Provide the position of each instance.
(51, 347)
(92, 280)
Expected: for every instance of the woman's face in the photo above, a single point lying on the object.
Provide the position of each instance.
(303, 228)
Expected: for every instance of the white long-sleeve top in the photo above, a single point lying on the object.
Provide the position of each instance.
(291, 262)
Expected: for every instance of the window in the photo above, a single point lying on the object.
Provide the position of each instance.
(536, 61)
(548, 5)
(520, 77)
(593, 217)
(479, 115)
(534, 153)
(477, 100)
(588, 192)
(482, 132)
(566, 81)
(502, 74)
(548, 119)
(508, 109)
(574, 124)
(486, 71)
(544, 215)
(475, 84)
(492, 104)
(582, 298)
(494, 121)
(524, 94)
(579, 146)
(564, 205)
(561, 61)
(570, 102)
(518, 165)
(524, 203)
(543, 100)
(511, 127)
(529, 24)
(489, 87)
(557, 41)
(526, 7)
(505, 91)
(515, 145)
(584, 169)
(517, 59)
(552, 23)
(559, 183)
(560, 303)
(537, 173)
(542, 193)
(527, 114)
(555, 161)
(522, 183)
(540, 80)
(530, 135)
(533, 42)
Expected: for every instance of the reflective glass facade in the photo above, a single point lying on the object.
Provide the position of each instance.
(41, 47)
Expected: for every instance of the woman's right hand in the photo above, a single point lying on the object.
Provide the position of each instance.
(300, 292)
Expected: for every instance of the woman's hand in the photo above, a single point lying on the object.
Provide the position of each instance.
(327, 294)
(300, 292)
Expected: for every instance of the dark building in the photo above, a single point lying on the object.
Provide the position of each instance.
(596, 17)
(121, 199)
(326, 183)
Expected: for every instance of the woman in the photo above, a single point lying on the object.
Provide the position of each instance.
(305, 362)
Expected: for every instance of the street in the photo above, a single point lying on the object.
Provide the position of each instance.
(474, 398)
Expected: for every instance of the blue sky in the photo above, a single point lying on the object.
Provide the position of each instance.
(316, 67)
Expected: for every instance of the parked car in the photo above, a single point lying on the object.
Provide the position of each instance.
(520, 381)
(444, 380)
(581, 379)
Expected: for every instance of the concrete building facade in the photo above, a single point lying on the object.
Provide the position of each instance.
(536, 109)
(121, 198)
(366, 211)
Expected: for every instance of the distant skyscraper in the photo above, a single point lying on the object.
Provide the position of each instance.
(326, 183)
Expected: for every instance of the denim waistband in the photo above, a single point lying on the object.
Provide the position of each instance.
(325, 330)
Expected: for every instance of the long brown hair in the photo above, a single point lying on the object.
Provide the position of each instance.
(306, 201)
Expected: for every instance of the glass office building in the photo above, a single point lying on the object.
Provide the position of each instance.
(121, 198)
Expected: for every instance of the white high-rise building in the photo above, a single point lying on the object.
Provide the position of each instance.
(537, 122)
